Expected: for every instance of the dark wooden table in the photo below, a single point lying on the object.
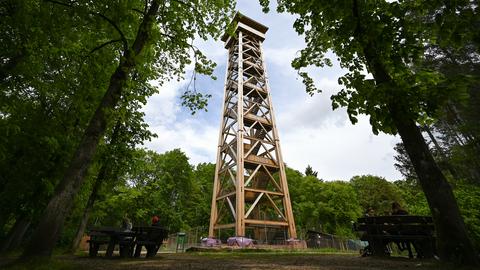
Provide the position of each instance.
(149, 236)
(405, 231)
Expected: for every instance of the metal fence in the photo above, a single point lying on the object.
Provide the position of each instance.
(313, 240)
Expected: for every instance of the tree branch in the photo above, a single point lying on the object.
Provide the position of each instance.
(59, 3)
(145, 8)
(112, 23)
(138, 10)
(105, 44)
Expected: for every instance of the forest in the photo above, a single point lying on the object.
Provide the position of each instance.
(168, 186)
(74, 76)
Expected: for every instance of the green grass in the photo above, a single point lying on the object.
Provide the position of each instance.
(72, 262)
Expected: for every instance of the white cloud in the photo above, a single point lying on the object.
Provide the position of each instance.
(315, 111)
(339, 152)
(193, 135)
(282, 57)
(214, 50)
(196, 140)
(161, 108)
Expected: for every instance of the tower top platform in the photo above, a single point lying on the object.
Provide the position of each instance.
(245, 24)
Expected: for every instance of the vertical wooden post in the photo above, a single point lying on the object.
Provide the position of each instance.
(240, 192)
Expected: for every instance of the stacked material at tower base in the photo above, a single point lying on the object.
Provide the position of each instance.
(240, 241)
(210, 242)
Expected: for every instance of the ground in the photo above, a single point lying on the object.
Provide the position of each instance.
(235, 260)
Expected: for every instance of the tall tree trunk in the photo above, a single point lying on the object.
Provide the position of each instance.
(453, 243)
(101, 178)
(88, 208)
(16, 234)
(50, 226)
(452, 239)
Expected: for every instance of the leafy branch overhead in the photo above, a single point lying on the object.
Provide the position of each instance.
(194, 24)
(399, 31)
(191, 98)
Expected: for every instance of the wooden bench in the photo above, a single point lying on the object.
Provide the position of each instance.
(96, 240)
(111, 237)
(150, 237)
(405, 231)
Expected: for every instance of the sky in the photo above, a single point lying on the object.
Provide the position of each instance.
(310, 132)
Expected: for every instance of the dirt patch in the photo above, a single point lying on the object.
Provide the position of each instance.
(230, 261)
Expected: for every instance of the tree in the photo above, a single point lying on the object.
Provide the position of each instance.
(455, 133)
(416, 202)
(338, 208)
(403, 163)
(152, 39)
(376, 193)
(413, 196)
(50, 226)
(469, 202)
(323, 206)
(309, 171)
(203, 178)
(388, 39)
(44, 104)
(155, 184)
(114, 158)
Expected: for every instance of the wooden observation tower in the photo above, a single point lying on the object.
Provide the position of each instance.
(250, 191)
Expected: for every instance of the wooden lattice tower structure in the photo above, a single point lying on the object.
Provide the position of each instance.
(250, 189)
